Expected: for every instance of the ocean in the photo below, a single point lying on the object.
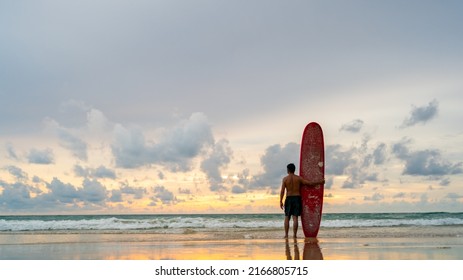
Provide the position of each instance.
(217, 222)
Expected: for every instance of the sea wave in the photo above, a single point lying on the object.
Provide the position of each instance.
(114, 223)
(391, 222)
(166, 223)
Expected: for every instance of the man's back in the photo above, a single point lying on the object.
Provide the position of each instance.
(292, 184)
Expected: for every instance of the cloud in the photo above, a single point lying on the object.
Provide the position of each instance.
(184, 191)
(354, 126)
(425, 162)
(58, 196)
(62, 192)
(274, 163)
(77, 146)
(445, 182)
(17, 172)
(359, 163)
(116, 196)
(163, 195)
(11, 153)
(103, 172)
(238, 189)
(421, 114)
(329, 183)
(137, 192)
(380, 154)
(100, 172)
(337, 160)
(75, 122)
(15, 196)
(453, 196)
(97, 121)
(93, 192)
(73, 113)
(399, 195)
(79, 171)
(40, 156)
(218, 158)
(175, 150)
(374, 197)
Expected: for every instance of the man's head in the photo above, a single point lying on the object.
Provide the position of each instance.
(291, 168)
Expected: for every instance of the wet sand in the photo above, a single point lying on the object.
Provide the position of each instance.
(443, 243)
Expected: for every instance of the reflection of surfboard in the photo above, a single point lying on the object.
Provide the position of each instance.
(311, 250)
(312, 168)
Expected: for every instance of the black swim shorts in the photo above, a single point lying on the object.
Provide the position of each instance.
(293, 206)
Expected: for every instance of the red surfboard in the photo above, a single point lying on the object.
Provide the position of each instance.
(312, 168)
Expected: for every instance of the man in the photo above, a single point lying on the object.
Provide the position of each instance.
(293, 203)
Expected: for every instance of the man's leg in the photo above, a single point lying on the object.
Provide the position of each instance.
(286, 226)
(295, 225)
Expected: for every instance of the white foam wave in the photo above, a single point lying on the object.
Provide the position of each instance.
(132, 224)
(390, 222)
(191, 222)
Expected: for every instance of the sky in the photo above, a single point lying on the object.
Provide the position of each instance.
(155, 107)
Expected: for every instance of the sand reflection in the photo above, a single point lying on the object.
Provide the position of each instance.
(312, 250)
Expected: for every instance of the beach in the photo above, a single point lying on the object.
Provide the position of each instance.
(365, 243)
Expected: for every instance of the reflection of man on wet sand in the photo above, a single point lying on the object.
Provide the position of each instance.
(296, 251)
(293, 203)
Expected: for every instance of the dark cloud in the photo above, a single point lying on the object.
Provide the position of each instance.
(274, 163)
(40, 156)
(354, 126)
(425, 162)
(175, 150)
(421, 114)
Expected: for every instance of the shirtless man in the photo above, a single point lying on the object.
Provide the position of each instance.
(293, 202)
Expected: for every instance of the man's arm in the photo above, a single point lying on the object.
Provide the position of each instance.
(308, 183)
(282, 193)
